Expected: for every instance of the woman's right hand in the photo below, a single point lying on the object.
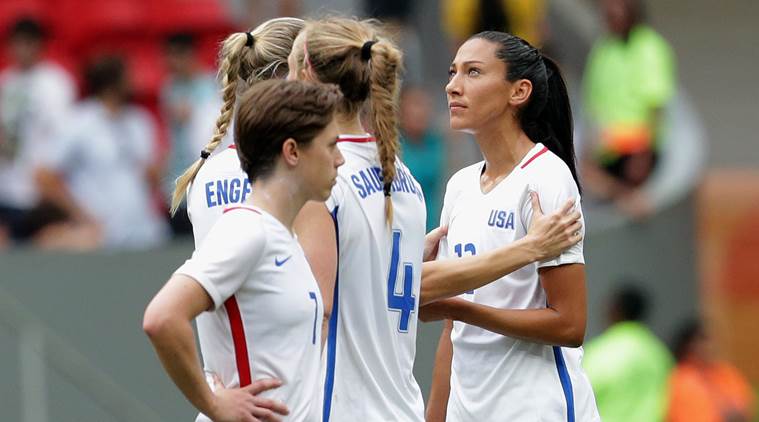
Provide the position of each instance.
(550, 235)
(244, 404)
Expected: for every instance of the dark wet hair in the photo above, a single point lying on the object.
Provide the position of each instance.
(547, 116)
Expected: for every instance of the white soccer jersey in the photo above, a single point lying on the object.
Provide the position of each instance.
(219, 184)
(372, 329)
(495, 377)
(267, 308)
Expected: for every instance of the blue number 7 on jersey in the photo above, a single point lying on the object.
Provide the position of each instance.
(405, 303)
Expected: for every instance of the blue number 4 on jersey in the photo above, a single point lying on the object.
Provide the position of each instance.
(406, 302)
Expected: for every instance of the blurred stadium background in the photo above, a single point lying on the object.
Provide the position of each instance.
(71, 307)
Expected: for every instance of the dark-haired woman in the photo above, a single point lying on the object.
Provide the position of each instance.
(264, 336)
(513, 352)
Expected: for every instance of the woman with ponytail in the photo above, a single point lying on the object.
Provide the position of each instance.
(514, 346)
(214, 183)
(365, 246)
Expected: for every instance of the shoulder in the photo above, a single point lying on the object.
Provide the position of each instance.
(460, 182)
(138, 115)
(549, 172)
(53, 72)
(647, 34)
(463, 177)
(221, 166)
(646, 39)
(85, 116)
(238, 226)
(225, 162)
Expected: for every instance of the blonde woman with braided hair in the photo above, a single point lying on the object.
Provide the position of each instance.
(214, 183)
(373, 224)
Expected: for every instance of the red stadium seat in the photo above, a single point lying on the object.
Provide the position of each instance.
(197, 16)
(12, 10)
(84, 23)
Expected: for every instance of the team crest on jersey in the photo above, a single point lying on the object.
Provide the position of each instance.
(501, 219)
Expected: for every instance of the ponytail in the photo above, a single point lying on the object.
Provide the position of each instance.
(229, 71)
(385, 67)
(553, 123)
(547, 116)
(366, 67)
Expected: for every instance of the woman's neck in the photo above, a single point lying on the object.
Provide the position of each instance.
(503, 146)
(350, 125)
(280, 197)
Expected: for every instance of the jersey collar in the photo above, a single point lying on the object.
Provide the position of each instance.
(361, 139)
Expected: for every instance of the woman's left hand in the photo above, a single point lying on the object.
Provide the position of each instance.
(432, 242)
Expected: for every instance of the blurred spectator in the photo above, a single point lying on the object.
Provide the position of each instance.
(628, 365)
(523, 18)
(704, 388)
(251, 13)
(629, 79)
(97, 172)
(396, 16)
(423, 149)
(35, 96)
(190, 102)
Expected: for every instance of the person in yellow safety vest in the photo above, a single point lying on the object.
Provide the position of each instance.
(523, 18)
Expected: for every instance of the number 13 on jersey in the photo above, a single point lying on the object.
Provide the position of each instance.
(405, 302)
(469, 248)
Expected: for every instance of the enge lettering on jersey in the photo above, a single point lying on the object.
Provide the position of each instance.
(222, 192)
(369, 181)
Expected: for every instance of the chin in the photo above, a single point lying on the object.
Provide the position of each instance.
(324, 195)
(457, 123)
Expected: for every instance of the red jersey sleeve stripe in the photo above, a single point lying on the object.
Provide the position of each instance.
(239, 341)
(537, 154)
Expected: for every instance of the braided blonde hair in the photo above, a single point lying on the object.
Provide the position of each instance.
(366, 66)
(240, 66)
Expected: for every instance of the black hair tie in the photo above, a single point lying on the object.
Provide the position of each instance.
(366, 50)
(249, 39)
(204, 154)
(388, 186)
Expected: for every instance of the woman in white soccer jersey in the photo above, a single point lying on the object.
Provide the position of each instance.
(376, 218)
(516, 352)
(214, 183)
(251, 272)
(369, 225)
